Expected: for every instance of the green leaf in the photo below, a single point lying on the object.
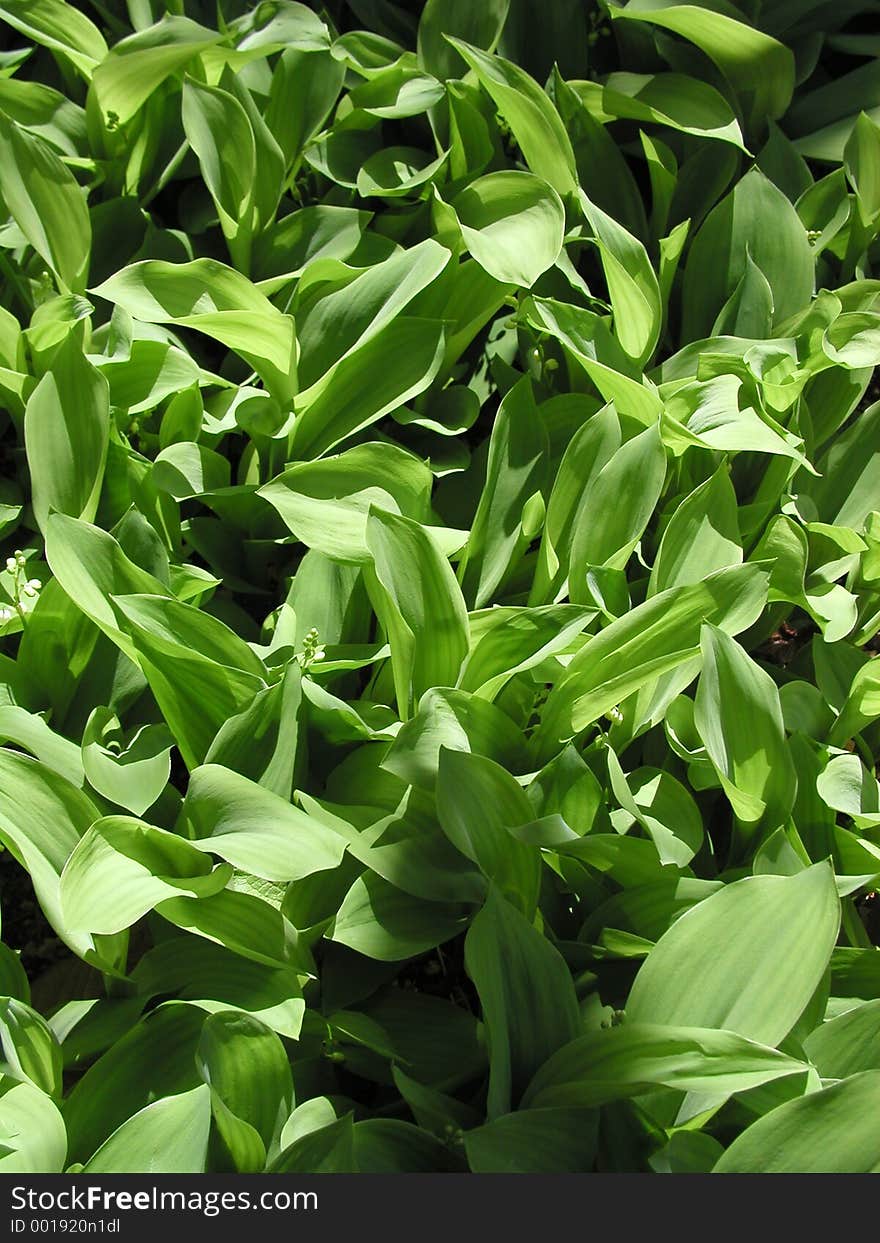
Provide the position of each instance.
(757, 985)
(326, 503)
(615, 509)
(32, 1135)
(669, 99)
(477, 802)
(152, 1061)
(739, 719)
(136, 66)
(480, 26)
(759, 68)
(534, 1141)
(755, 224)
(30, 1051)
(382, 922)
(42, 818)
(169, 1136)
(652, 639)
(59, 27)
(641, 1056)
(632, 283)
(528, 999)
(220, 134)
(663, 807)
(46, 203)
(534, 121)
(380, 376)
(200, 671)
(216, 300)
(828, 1132)
(67, 425)
(245, 1064)
(846, 1045)
(254, 829)
(215, 979)
(515, 472)
(702, 536)
(121, 868)
(419, 604)
(512, 224)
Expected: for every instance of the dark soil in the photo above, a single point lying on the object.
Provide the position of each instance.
(25, 927)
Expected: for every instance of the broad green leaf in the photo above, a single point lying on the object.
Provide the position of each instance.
(383, 922)
(534, 1141)
(589, 450)
(31, 1052)
(663, 807)
(243, 922)
(755, 224)
(615, 509)
(739, 719)
(67, 425)
(262, 742)
(632, 283)
(337, 319)
(389, 370)
(46, 203)
(215, 979)
(216, 300)
(245, 1064)
(515, 472)
(641, 1056)
(200, 671)
(479, 25)
(848, 1044)
(508, 641)
(91, 567)
(42, 818)
(454, 720)
(31, 733)
(220, 134)
(254, 829)
(168, 1136)
(512, 224)
(326, 503)
(534, 121)
(152, 1061)
(756, 985)
(650, 640)
(136, 66)
(828, 1132)
(419, 604)
(588, 338)
(32, 1135)
(121, 868)
(759, 68)
(672, 99)
(528, 999)
(477, 802)
(59, 27)
(702, 536)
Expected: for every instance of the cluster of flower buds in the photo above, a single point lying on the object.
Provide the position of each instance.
(312, 649)
(22, 588)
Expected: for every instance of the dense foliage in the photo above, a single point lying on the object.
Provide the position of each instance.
(440, 505)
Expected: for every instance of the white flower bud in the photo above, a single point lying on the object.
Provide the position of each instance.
(11, 564)
(28, 590)
(35, 584)
(5, 614)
